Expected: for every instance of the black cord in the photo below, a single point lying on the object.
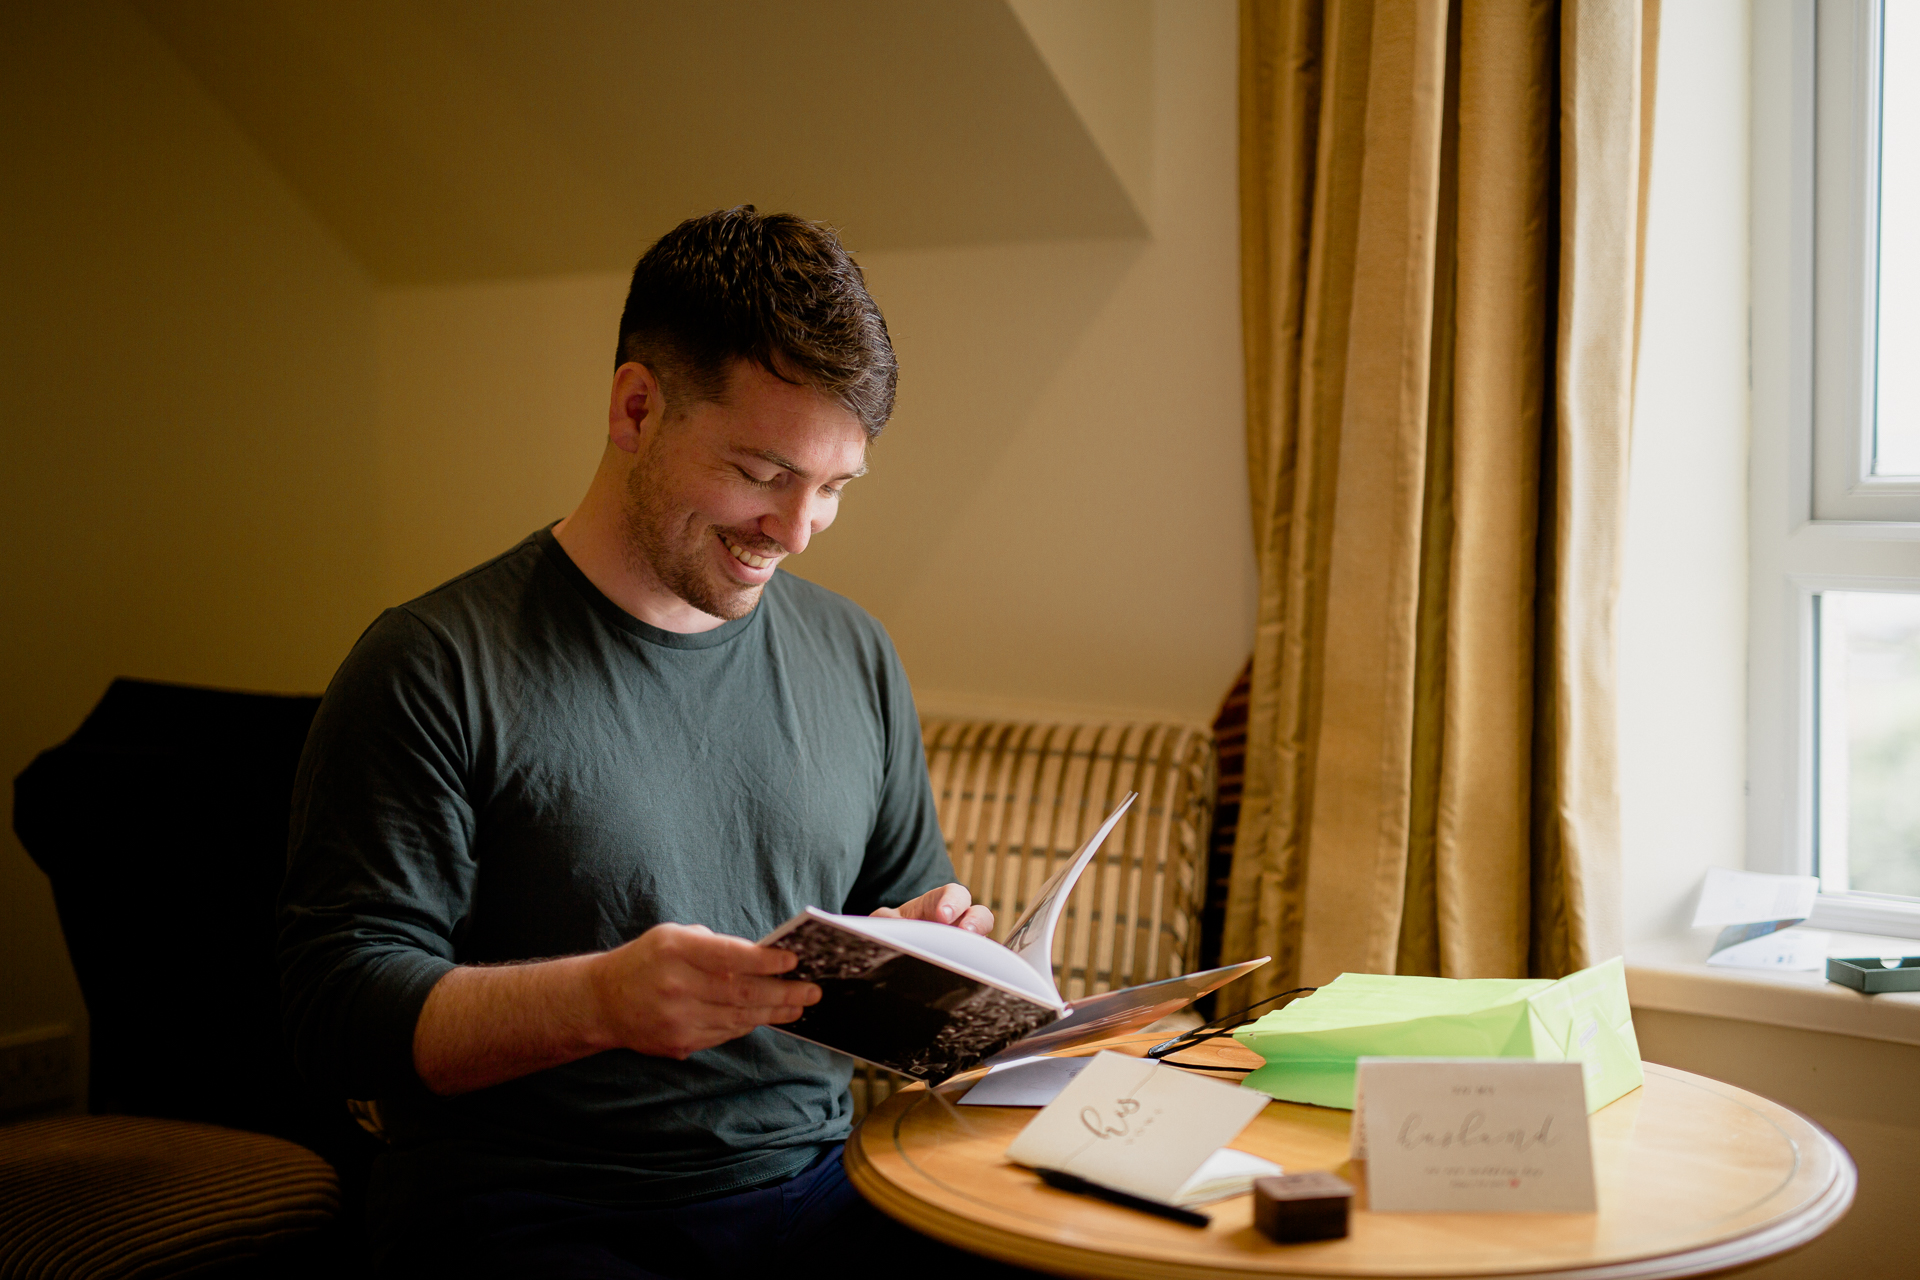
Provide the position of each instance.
(1198, 1066)
(1218, 1027)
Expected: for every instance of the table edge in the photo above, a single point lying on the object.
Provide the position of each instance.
(1762, 1244)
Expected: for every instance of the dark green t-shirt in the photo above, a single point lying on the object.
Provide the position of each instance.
(511, 768)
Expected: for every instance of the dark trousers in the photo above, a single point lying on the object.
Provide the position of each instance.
(816, 1218)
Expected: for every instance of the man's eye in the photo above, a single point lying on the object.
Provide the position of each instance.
(829, 491)
(753, 479)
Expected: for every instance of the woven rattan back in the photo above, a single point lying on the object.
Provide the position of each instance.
(1015, 802)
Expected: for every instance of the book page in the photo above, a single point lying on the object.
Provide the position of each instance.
(923, 1017)
(1032, 935)
(957, 948)
(1115, 1013)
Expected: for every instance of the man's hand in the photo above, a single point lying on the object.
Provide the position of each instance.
(949, 904)
(671, 992)
(677, 989)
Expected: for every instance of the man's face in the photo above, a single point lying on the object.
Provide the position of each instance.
(720, 493)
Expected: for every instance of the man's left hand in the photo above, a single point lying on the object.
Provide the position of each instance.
(949, 904)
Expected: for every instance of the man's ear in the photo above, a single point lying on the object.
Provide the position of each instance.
(636, 407)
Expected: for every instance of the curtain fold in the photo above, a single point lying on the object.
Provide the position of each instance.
(1442, 204)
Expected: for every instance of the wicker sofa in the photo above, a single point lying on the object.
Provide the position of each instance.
(1016, 800)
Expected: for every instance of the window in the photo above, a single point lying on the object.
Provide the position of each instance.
(1834, 643)
(1896, 417)
(1866, 123)
(1867, 697)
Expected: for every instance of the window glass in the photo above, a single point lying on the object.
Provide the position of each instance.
(1896, 437)
(1869, 742)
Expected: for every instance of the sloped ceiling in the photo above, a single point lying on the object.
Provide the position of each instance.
(449, 140)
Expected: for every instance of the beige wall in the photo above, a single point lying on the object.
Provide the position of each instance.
(186, 404)
(1683, 599)
(1861, 1091)
(493, 410)
(1056, 518)
(226, 449)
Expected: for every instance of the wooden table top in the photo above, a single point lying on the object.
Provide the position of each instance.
(1694, 1176)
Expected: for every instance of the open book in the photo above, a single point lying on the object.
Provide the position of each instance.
(927, 1000)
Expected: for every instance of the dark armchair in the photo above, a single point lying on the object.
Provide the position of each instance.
(162, 825)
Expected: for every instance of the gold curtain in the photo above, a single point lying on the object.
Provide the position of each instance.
(1441, 207)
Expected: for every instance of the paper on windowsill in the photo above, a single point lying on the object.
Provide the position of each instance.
(1757, 913)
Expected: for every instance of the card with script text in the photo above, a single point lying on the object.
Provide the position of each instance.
(1135, 1125)
(1500, 1135)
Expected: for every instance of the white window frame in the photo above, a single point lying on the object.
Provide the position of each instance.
(1818, 519)
(1846, 140)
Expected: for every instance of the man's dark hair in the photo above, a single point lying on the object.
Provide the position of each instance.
(773, 289)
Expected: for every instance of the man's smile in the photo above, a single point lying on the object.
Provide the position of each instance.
(747, 557)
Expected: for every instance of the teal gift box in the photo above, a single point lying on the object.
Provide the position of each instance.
(1311, 1046)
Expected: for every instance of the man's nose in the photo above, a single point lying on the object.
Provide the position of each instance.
(794, 522)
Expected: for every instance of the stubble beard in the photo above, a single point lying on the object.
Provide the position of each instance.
(682, 569)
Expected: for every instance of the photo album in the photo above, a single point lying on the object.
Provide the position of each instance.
(928, 1000)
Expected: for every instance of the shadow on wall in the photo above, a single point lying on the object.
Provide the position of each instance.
(981, 333)
(479, 382)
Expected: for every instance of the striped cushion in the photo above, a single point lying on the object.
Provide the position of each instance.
(113, 1196)
(1015, 801)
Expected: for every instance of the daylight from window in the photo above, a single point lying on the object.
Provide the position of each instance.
(1896, 442)
(1869, 746)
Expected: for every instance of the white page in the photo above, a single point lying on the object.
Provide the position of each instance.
(1224, 1174)
(1032, 935)
(1025, 1082)
(1136, 1125)
(958, 949)
(1115, 1013)
(1750, 897)
(1802, 950)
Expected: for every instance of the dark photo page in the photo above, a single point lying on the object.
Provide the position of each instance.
(897, 1010)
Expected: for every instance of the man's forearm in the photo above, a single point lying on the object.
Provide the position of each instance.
(671, 992)
(484, 1025)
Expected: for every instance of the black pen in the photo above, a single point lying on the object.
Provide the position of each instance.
(1080, 1186)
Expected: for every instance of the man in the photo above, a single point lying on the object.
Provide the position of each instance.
(545, 808)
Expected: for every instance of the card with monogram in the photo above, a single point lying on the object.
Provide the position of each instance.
(1136, 1126)
(1506, 1135)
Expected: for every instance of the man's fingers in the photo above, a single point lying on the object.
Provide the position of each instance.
(950, 902)
(718, 1023)
(746, 991)
(944, 905)
(784, 1013)
(977, 919)
(718, 953)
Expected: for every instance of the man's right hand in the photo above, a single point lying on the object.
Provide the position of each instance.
(671, 992)
(677, 989)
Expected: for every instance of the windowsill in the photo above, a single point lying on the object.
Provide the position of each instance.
(1671, 975)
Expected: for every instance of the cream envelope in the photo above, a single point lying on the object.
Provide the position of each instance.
(1135, 1125)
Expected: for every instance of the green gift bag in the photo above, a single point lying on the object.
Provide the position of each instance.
(1311, 1045)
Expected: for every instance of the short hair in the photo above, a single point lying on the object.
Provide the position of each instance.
(771, 288)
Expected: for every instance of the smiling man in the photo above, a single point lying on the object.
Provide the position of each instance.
(545, 808)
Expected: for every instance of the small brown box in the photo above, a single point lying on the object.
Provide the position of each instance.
(1298, 1207)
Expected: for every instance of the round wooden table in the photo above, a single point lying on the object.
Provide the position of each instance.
(1694, 1177)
